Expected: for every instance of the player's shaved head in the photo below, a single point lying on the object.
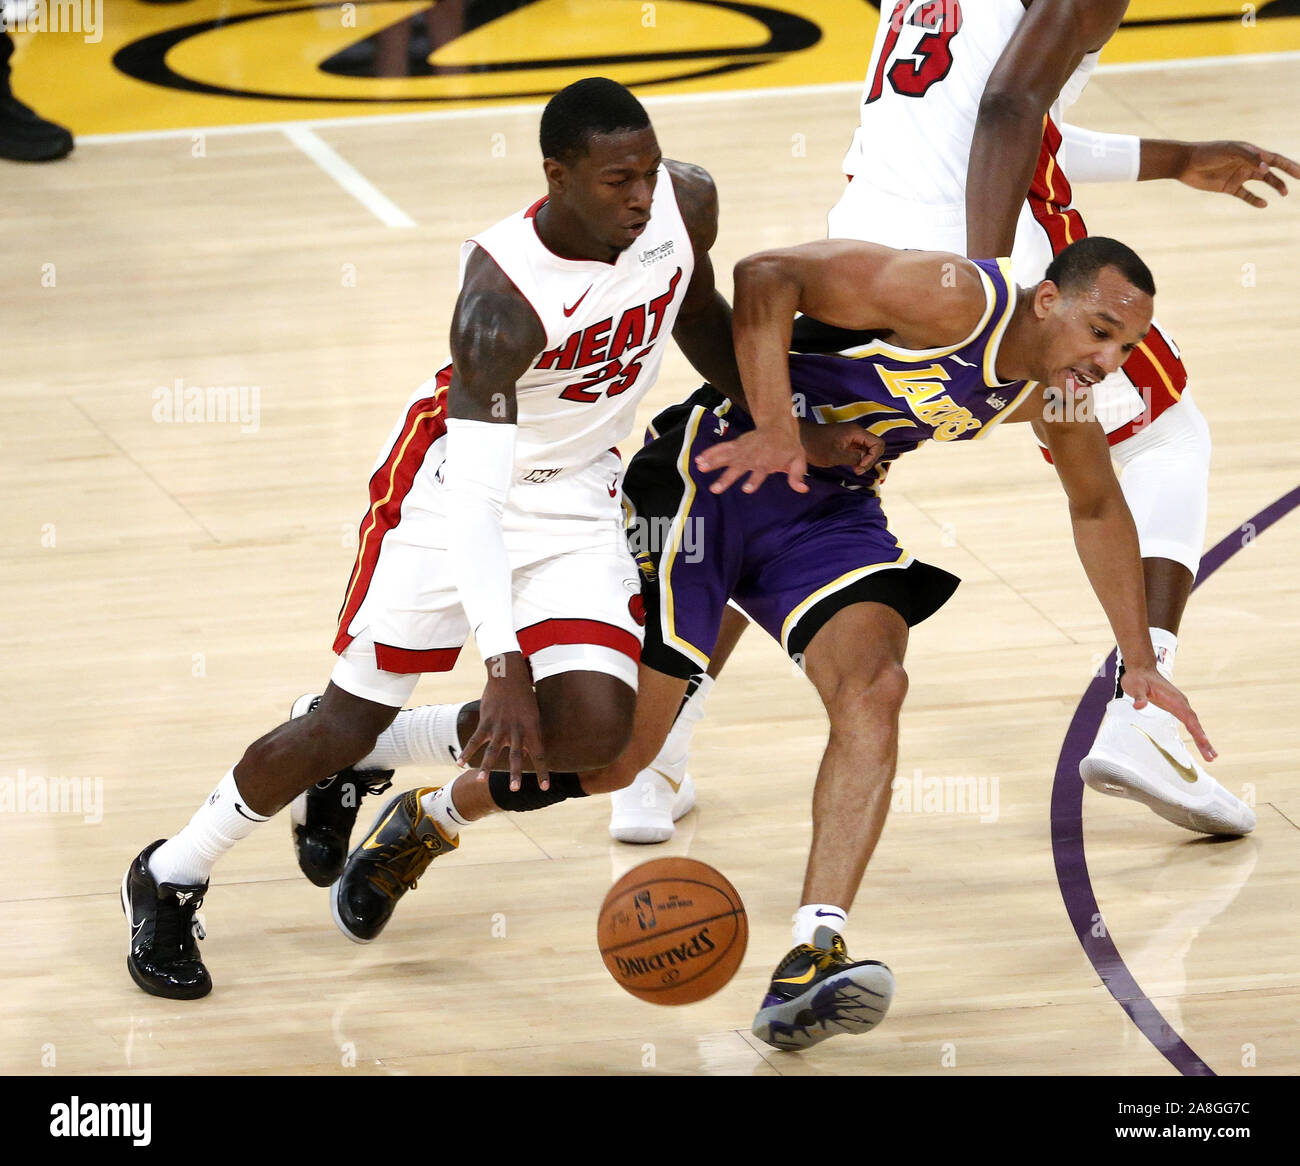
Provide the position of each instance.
(594, 105)
(1075, 269)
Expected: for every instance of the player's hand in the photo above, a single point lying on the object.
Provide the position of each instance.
(508, 722)
(842, 443)
(758, 453)
(1146, 684)
(1224, 168)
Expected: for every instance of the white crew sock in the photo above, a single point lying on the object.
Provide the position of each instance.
(439, 806)
(1165, 645)
(811, 916)
(419, 736)
(678, 742)
(187, 858)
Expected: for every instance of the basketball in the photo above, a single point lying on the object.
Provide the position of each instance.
(672, 931)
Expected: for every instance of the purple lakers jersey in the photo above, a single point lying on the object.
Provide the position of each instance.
(907, 396)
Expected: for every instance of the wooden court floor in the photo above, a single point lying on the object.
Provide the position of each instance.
(171, 586)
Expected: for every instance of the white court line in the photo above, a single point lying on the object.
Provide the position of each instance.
(348, 177)
(651, 101)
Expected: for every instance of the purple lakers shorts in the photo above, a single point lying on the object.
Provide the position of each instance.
(789, 561)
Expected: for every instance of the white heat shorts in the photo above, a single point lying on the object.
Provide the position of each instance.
(577, 590)
(1165, 475)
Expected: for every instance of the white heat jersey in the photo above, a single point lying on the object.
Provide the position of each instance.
(919, 149)
(607, 325)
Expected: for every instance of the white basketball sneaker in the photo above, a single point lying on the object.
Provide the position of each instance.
(662, 792)
(646, 810)
(1140, 755)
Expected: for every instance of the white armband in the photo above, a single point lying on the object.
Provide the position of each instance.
(1087, 156)
(477, 472)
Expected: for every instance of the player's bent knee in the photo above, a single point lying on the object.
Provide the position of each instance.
(871, 698)
(595, 744)
(586, 719)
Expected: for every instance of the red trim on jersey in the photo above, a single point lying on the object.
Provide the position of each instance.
(407, 660)
(578, 631)
(1154, 368)
(426, 421)
(1050, 195)
(1166, 356)
(531, 214)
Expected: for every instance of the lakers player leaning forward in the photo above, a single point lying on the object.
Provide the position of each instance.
(963, 145)
(814, 562)
(495, 509)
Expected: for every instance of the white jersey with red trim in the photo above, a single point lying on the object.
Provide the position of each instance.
(920, 43)
(607, 325)
(908, 162)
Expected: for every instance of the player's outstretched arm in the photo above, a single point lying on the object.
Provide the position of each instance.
(495, 336)
(703, 328)
(1219, 167)
(1107, 542)
(922, 298)
(1048, 44)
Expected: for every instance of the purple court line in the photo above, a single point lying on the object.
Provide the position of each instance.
(1067, 827)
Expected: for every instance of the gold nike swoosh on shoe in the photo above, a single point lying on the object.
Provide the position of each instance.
(808, 975)
(371, 844)
(675, 785)
(1186, 772)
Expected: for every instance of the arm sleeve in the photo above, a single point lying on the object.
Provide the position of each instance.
(479, 466)
(1088, 156)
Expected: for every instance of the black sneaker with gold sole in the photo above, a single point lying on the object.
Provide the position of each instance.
(397, 851)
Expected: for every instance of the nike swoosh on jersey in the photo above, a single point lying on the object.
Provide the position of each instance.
(570, 311)
(1186, 772)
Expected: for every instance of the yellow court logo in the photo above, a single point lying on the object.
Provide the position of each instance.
(381, 51)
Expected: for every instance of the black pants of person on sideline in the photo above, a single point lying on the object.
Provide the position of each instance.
(6, 51)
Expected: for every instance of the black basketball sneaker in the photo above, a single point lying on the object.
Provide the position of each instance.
(163, 957)
(322, 817)
(818, 992)
(25, 136)
(398, 850)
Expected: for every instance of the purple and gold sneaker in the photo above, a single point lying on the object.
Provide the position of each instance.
(818, 992)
